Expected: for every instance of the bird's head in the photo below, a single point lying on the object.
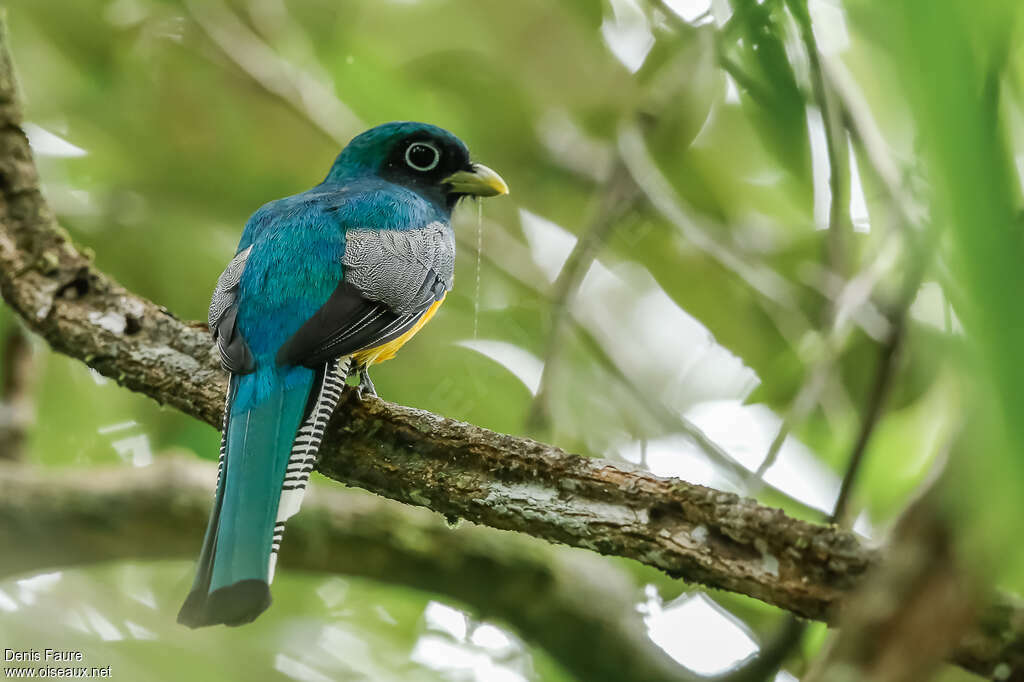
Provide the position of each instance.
(424, 158)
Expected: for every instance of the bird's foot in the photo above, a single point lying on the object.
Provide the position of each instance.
(365, 387)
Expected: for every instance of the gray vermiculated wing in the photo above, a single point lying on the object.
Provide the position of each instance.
(391, 278)
(226, 292)
(394, 267)
(235, 355)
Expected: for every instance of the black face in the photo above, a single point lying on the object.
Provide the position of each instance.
(422, 161)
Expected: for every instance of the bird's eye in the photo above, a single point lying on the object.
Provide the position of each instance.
(422, 156)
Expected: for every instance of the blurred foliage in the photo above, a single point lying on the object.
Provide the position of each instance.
(372, 631)
(191, 114)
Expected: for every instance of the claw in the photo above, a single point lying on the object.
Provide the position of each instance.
(365, 386)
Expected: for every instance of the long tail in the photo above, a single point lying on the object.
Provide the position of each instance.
(268, 448)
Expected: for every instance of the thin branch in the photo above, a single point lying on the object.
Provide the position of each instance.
(855, 295)
(857, 118)
(887, 365)
(615, 198)
(768, 284)
(16, 408)
(310, 96)
(835, 144)
(766, 663)
(886, 372)
(806, 398)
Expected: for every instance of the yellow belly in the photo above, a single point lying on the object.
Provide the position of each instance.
(386, 351)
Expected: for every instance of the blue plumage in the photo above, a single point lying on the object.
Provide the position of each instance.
(289, 307)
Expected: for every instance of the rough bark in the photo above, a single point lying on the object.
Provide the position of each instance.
(460, 470)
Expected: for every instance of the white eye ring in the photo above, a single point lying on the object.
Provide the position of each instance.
(430, 166)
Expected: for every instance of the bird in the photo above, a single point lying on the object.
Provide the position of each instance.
(324, 284)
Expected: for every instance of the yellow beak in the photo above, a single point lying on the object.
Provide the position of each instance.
(479, 182)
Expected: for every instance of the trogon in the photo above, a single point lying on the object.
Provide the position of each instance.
(324, 284)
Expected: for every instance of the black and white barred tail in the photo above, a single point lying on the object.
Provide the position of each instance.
(305, 448)
(266, 456)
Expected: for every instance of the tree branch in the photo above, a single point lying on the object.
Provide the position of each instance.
(460, 470)
(582, 609)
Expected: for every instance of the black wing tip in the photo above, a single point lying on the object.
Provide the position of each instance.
(233, 605)
(235, 355)
(346, 323)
